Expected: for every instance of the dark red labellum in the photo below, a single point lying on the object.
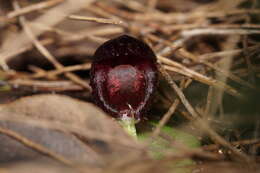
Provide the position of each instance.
(124, 76)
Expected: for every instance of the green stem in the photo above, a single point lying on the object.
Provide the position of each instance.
(128, 123)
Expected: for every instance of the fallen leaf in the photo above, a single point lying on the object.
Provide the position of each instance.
(76, 130)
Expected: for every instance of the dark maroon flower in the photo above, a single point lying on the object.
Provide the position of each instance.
(124, 76)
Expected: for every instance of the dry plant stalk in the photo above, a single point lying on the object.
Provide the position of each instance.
(47, 54)
(32, 8)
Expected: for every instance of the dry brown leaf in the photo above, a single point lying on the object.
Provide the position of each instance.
(49, 120)
(36, 167)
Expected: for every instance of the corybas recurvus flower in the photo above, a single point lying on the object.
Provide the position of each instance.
(124, 77)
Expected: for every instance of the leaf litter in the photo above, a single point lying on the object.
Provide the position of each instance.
(58, 133)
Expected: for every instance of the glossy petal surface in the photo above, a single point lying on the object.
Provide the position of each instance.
(124, 76)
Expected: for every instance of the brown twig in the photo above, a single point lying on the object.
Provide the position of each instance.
(227, 53)
(194, 58)
(93, 34)
(95, 19)
(34, 7)
(209, 102)
(22, 49)
(213, 31)
(177, 67)
(246, 50)
(242, 142)
(170, 112)
(200, 122)
(212, 26)
(53, 73)
(47, 54)
(133, 5)
(60, 12)
(104, 13)
(46, 85)
(184, 17)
